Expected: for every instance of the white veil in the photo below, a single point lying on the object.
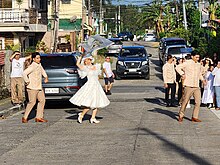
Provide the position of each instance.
(95, 42)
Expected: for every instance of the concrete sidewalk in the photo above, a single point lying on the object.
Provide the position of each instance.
(7, 109)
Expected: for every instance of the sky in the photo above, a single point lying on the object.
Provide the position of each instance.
(133, 2)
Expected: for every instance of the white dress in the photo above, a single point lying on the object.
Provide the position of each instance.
(91, 93)
(208, 93)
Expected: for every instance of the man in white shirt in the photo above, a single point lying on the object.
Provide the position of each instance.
(216, 84)
(17, 83)
(108, 75)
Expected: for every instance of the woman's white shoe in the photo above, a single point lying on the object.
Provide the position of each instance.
(80, 117)
(94, 121)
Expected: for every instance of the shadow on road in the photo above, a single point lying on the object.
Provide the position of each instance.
(177, 148)
(173, 115)
(156, 100)
(75, 115)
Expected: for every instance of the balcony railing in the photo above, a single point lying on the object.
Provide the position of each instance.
(14, 16)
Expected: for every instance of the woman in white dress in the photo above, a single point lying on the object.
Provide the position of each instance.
(91, 94)
(208, 94)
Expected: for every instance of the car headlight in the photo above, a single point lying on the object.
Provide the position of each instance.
(120, 63)
(144, 62)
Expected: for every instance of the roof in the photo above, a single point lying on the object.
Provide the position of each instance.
(60, 54)
(114, 39)
(172, 38)
(136, 47)
(173, 46)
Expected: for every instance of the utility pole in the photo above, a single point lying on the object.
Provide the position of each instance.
(100, 18)
(184, 14)
(177, 13)
(89, 15)
(116, 23)
(54, 24)
(119, 18)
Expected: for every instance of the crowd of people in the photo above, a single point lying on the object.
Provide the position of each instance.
(90, 96)
(192, 76)
(186, 77)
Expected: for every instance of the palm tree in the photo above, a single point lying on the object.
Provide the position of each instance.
(153, 13)
(213, 5)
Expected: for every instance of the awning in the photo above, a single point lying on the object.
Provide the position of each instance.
(65, 24)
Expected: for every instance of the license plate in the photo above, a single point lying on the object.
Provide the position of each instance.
(51, 90)
(132, 70)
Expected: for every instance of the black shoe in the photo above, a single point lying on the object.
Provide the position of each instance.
(109, 92)
(14, 104)
(168, 105)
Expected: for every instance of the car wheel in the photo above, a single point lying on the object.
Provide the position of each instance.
(147, 77)
(161, 63)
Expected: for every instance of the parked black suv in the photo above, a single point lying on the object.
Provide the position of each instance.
(125, 36)
(133, 61)
(164, 42)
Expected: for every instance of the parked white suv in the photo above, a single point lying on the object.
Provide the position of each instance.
(178, 51)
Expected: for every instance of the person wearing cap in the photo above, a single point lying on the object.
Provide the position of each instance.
(191, 73)
(90, 95)
(17, 83)
(108, 75)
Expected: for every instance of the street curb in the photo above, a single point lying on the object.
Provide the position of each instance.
(10, 111)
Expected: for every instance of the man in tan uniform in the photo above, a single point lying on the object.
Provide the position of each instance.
(191, 72)
(169, 78)
(33, 78)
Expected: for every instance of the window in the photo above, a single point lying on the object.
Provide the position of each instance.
(137, 52)
(58, 62)
(2, 43)
(66, 1)
(5, 3)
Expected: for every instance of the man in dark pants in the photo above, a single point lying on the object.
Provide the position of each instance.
(169, 77)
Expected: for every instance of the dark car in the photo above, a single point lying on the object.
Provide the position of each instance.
(62, 73)
(164, 42)
(125, 36)
(133, 61)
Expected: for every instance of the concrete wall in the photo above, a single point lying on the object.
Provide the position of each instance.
(68, 10)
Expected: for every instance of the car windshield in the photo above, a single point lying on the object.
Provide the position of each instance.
(175, 50)
(150, 35)
(133, 52)
(175, 42)
(58, 62)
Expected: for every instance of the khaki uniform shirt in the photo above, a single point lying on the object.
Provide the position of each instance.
(33, 76)
(169, 73)
(193, 72)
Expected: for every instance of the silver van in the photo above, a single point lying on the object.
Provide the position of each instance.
(62, 73)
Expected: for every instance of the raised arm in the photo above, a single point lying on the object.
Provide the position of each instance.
(13, 56)
(78, 63)
(28, 57)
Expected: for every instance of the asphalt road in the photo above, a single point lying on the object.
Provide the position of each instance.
(135, 129)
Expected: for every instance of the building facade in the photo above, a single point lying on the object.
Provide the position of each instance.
(69, 16)
(22, 23)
